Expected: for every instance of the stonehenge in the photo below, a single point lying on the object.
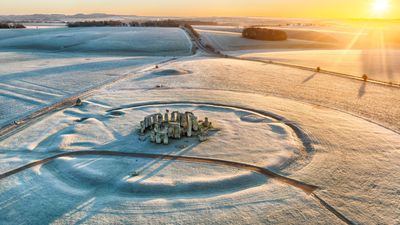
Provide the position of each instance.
(174, 126)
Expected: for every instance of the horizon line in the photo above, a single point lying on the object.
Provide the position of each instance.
(166, 16)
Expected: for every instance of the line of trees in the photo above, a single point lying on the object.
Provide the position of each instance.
(194, 32)
(150, 23)
(11, 26)
(264, 34)
(93, 23)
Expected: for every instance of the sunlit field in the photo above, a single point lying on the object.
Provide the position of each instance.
(355, 48)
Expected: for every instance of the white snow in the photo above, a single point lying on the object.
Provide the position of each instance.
(352, 127)
(329, 49)
(130, 41)
(42, 79)
(377, 64)
(41, 67)
(224, 40)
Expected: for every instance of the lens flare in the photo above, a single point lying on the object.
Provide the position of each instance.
(380, 6)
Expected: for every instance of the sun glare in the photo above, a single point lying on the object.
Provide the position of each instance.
(380, 6)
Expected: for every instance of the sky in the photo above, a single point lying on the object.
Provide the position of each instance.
(196, 8)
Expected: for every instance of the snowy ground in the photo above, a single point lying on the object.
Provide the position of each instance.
(230, 40)
(41, 79)
(377, 64)
(129, 41)
(331, 50)
(349, 146)
(38, 69)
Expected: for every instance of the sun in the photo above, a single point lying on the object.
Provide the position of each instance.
(380, 6)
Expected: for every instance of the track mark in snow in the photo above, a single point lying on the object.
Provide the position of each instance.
(22, 97)
(43, 87)
(331, 209)
(307, 188)
(14, 88)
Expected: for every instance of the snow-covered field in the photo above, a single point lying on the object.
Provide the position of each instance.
(377, 64)
(129, 41)
(40, 67)
(40, 79)
(331, 50)
(230, 40)
(44, 25)
(337, 134)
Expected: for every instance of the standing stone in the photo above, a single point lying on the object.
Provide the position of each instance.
(195, 123)
(179, 118)
(189, 124)
(165, 136)
(157, 127)
(159, 118)
(206, 123)
(184, 123)
(149, 121)
(166, 119)
(158, 138)
(142, 127)
(146, 124)
(203, 134)
(170, 130)
(174, 116)
(177, 131)
(152, 136)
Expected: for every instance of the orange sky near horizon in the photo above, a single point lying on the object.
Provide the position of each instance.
(265, 8)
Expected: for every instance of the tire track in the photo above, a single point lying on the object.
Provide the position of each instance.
(332, 210)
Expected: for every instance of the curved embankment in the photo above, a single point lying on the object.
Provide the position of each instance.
(214, 52)
(307, 188)
(298, 184)
(305, 139)
(301, 135)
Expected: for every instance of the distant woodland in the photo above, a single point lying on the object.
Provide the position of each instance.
(11, 26)
(264, 34)
(109, 23)
(150, 23)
